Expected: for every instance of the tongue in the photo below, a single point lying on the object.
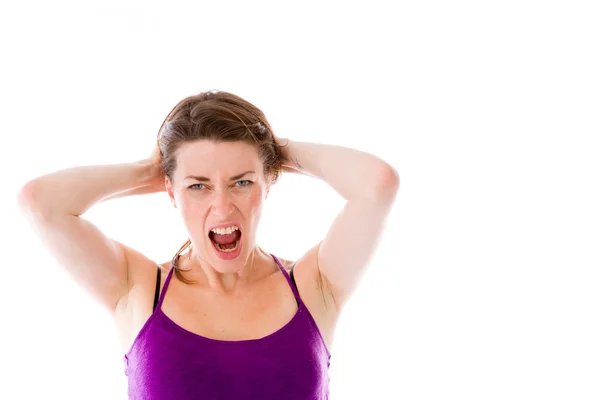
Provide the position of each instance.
(225, 239)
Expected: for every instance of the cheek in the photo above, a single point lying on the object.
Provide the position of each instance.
(256, 199)
(255, 208)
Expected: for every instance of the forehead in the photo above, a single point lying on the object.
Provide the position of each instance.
(209, 158)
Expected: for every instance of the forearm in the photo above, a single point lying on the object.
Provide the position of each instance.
(74, 190)
(132, 192)
(348, 171)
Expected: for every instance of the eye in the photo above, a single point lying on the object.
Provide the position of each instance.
(249, 183)
(193, 187)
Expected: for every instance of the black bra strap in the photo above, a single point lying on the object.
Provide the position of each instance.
(292, 276)
(157, 292)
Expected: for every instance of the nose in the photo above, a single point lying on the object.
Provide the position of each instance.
(222, 205)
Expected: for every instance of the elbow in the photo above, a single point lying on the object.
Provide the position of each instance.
(388, 180)
(25, 196)
(386, 185)
(30, 200)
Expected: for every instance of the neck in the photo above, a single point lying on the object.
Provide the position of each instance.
(225, 282)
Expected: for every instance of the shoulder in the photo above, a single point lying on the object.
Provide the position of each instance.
(306, 265)
(307, 273)
(286, 264)
(142, 270)
(141, 279)
(315, 289)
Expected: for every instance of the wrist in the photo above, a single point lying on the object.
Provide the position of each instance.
(147, 171)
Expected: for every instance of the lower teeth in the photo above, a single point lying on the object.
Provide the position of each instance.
(237, 242)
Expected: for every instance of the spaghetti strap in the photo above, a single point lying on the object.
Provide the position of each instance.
(291, 283)
(156, 290)
(166, 285)
(292, 286)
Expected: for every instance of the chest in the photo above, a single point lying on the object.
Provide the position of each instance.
(252, 315)
(257, 313)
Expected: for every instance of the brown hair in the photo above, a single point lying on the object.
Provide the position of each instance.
(221, 117)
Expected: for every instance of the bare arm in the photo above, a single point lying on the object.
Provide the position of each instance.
(370, 186)
(53, 204)
(148, 189)
(74, 190)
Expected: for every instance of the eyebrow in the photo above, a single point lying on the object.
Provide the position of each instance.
(205, 179)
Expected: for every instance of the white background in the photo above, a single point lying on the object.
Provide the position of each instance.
(485, 284)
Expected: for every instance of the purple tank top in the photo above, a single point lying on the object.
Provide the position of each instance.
(167, 361)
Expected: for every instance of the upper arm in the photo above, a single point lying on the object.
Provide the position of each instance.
(96, 262)
(352, 239)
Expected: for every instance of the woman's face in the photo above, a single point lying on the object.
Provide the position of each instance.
(208, 188)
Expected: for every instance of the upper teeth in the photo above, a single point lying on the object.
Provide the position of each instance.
(225, 231)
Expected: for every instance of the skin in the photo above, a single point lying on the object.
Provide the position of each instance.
(203, 204)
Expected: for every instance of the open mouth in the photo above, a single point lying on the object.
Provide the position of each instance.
(226, 243)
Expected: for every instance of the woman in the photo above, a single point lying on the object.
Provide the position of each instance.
(228, 319)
